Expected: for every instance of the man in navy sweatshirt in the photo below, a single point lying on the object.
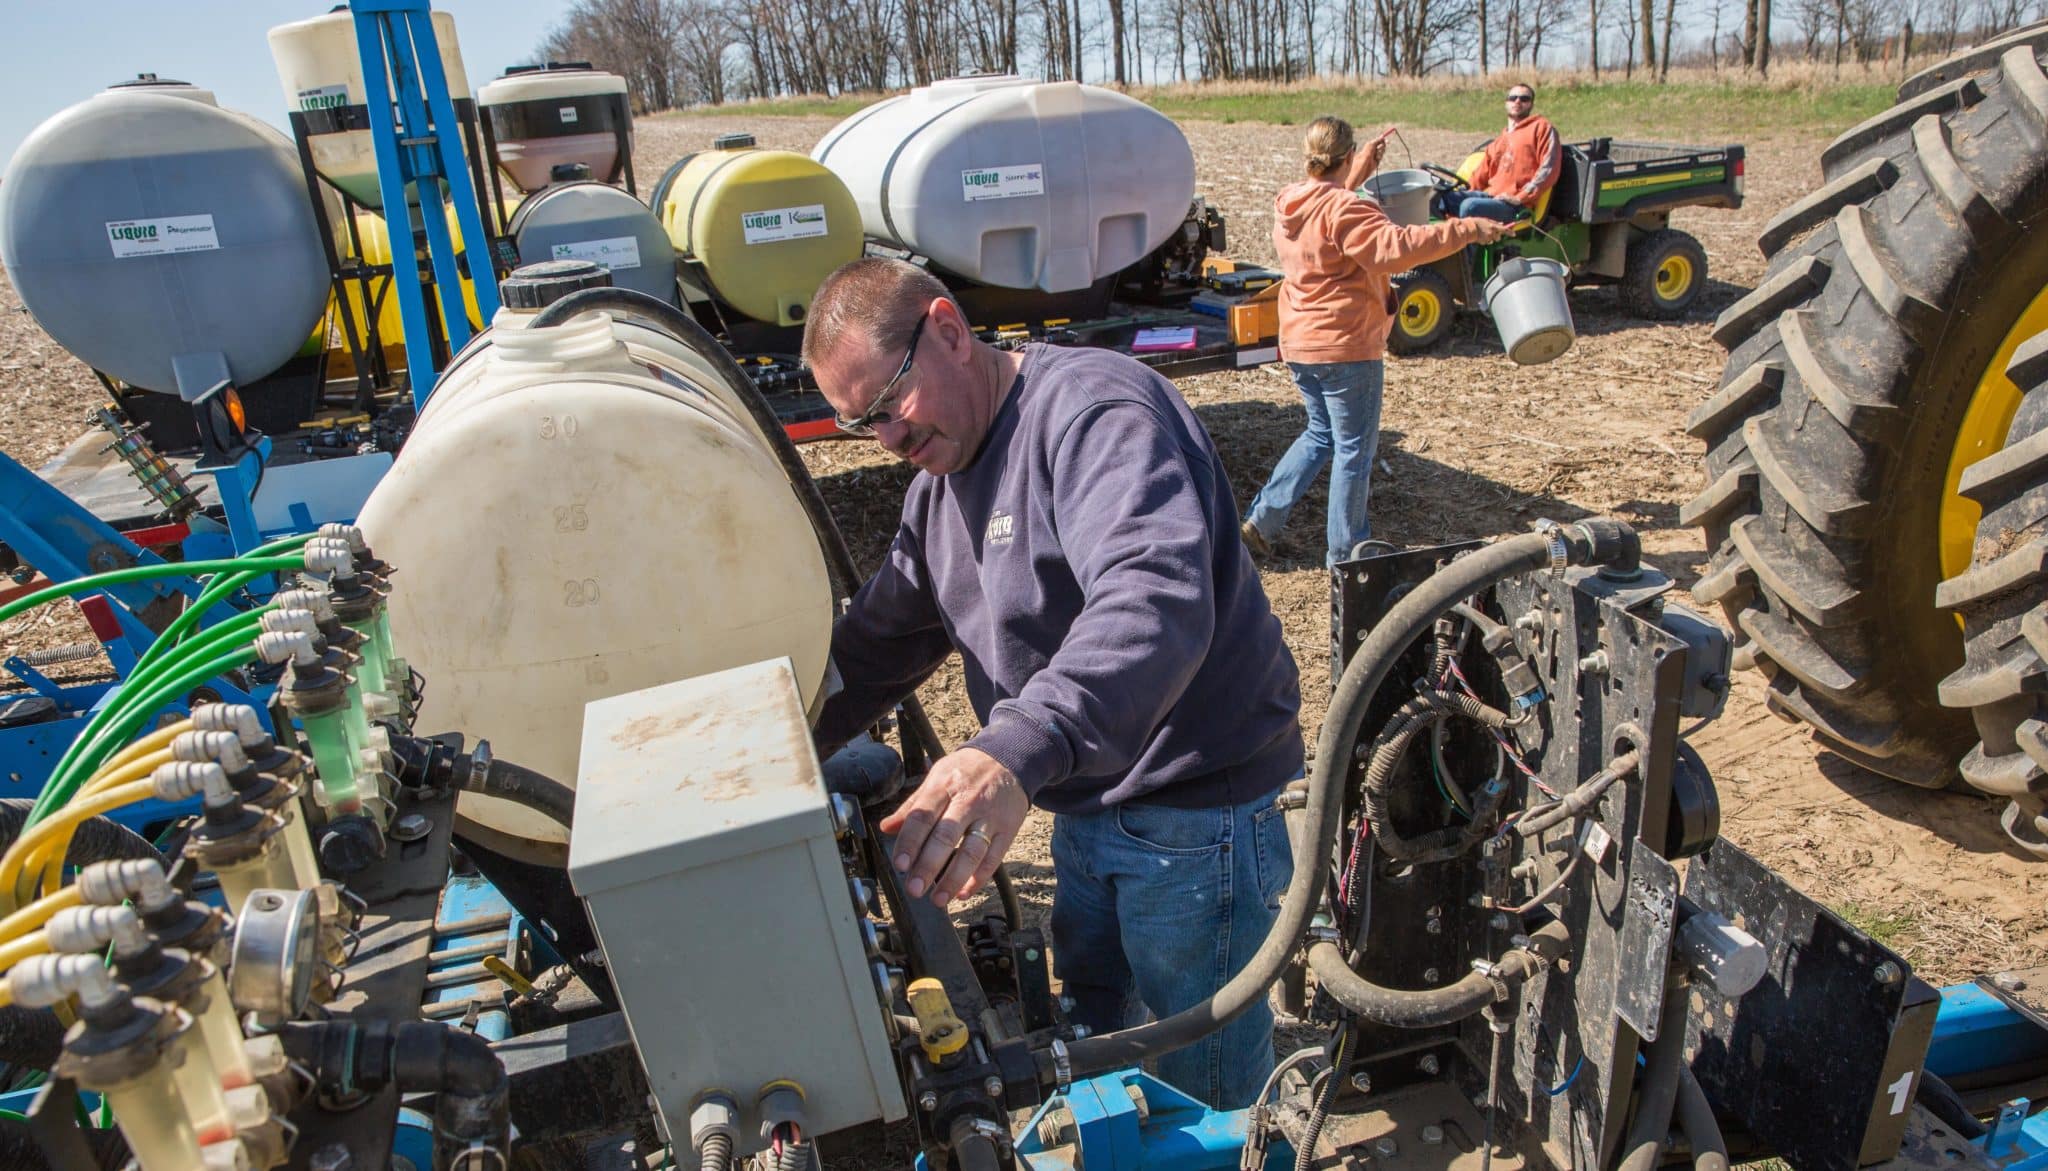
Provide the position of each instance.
(1074, 538)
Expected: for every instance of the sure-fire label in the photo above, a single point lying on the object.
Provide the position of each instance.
(162, 237)
(784, 223)
(1003, 182)
(618, 253)
(327, 97)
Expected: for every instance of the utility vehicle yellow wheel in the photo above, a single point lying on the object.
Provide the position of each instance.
(1423, 310)
(1664, 274)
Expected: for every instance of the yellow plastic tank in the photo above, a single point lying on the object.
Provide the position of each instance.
(622, 524)
(375, 236)
(762, 228)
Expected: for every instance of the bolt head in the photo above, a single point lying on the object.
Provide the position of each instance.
(1385, 1147)
(928, 1101)
(411, 827)
(992, 1086)
(1429, 1064)
(1362, 1082)
(1888, 972)
(1431, 975)
(1432, 1135)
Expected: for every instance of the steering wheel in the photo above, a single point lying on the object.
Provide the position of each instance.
(1447, 176)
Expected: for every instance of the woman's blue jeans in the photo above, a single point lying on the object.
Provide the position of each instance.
(1343, 401)
(1155, 908)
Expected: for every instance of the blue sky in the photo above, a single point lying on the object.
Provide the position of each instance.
(57, 52)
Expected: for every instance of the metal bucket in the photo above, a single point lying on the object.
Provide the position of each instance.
(1526, 298)
(1404, 195)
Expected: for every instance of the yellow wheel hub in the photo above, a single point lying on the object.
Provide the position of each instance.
(1985, 424)
(1674, 277)
(1420, 311)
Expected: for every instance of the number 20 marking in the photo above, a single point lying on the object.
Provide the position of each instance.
(579, 593)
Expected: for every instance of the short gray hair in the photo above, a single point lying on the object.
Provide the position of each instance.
(874, 297)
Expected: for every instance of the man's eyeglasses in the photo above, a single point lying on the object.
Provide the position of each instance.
(1521, 97)
(878, 411)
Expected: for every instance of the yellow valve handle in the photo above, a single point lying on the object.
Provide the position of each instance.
(505, 972)
(939, 1030)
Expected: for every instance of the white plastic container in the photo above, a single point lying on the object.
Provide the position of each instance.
(544, 117)
(323, 77)
(574, 519)
(1011, 182)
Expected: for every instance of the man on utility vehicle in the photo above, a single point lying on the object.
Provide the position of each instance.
(1516, 168)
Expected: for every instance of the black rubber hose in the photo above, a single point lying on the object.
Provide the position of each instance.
(30, 1038)
(1657, 1092)
(20, 1152)
(1429, 1008)
(472, 1093)
(632, 303)
(96, 839)
(542, 794)
(1696, 1119)
(1596, 542)
(1941, 1100)
(1006, 893)
(1319, 1113)
(1426, 711)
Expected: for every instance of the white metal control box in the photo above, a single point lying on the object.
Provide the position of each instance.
(704, 848)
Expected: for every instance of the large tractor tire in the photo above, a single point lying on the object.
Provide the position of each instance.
(1864, 374)
(2002, 599)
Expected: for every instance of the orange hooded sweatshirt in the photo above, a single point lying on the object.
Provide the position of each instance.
(1339, 252)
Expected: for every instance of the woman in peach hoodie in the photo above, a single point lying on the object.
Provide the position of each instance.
(1339, 253)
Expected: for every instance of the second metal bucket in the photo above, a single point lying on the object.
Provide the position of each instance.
(1526, 298)
(1403, 195)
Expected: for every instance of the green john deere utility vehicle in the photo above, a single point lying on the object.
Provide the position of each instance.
(1607, 219)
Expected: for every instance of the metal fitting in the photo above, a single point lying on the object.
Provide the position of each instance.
(47, 980)
(1062, 1067)
(780, 1101)
(993, 1087)
(223, 748)
(239, 718)
(928, 1101)
(325, 558)
(91, 929)
(1429, 1065)
(288, 620)
(351, 535)
(715, 1112)
(319, 603)
(295, 647)
(179, 780)
(1362, 1082)
(1594, 664)
(140, 879)
(1888, 972)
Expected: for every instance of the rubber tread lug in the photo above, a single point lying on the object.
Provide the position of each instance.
(1950, 181)
(2023, 75)
(1960, 94)
(1798, 281)
(1731, 490)
(1972, 60)
(2005, 473)
(1712, 417)
(1821, 595)
(1874, 270)
(1867, 420)
(1829, 512)
(1795, 652)
(2010, 774)
(1718, 585)
(2022, 567)
(1856, 185)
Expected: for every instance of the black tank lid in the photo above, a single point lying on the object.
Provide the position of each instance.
(537, 286)
(732, 141)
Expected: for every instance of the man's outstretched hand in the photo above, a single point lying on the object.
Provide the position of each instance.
(954, 830)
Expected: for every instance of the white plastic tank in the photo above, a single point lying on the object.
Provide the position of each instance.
(146, 224)
(629, 526)
(322, 72)
(593, 221)
(545, 116)
(1017, 183)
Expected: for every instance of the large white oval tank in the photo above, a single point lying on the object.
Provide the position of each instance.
(145, 223)
(628, 527)
(1011, 182)
(546, 116)
(322, 72)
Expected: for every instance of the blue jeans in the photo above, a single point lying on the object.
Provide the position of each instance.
(1156, 908)
(1343, 401)
(1474, 203)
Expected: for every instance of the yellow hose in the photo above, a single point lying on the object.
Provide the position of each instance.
(14, 951)
(33, 916)
(136, 768)
(57, 828)
(159, 739)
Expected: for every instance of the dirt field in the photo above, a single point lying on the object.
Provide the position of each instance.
(1473, 446)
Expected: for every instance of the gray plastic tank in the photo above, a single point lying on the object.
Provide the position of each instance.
(140, 226)
(599, 223)
(1017, 183)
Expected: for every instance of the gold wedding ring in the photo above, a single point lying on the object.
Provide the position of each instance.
(980, 830)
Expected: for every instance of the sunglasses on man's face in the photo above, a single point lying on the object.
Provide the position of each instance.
(1521, 97)
(881, 407)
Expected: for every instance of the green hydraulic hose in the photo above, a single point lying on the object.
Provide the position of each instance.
(240, 630)
(218, 587)
(98, 581)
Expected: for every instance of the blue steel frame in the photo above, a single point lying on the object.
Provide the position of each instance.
(421, 151)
